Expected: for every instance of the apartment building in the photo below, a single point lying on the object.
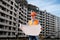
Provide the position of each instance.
(51, 25)
(42, 15)
(47, 21)
(57, 27)
(22, 16)
(8, 18)
(11, 16)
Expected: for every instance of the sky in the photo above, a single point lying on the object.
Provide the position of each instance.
(51, 6)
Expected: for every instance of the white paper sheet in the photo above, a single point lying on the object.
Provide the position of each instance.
(31, 30)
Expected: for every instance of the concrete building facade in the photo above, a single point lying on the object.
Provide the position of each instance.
(11, 16)
(8, 18)
(57, 27)
(47, 21)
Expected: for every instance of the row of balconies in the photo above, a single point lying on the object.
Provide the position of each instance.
(6, 10)
(3, 27)
(4, 20)
(7, 34)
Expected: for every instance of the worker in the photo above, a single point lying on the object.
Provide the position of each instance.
(33, 27)
(31, 22)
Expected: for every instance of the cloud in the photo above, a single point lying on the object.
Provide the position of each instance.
(52, 6)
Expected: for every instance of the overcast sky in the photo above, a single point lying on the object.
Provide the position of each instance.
(52, 6)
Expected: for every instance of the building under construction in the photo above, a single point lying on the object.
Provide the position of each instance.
(12, 14)
(16, 12)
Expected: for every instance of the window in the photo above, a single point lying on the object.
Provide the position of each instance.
(28, 15)
(19, 17)
(1, 33)
(7, 10)
(2, 20)
(9, 33)
(13, 33)
(11, 2)
(8, 5)
(14, 24)
(3, 3)
(1, 26)
(19, 12)
(9, 28)
(4, 33)
(11, 17)
(15, 10)
(4, 9)
(15, 14)
(10, 22)
(6, 21)
(11, 7)
(11, 12)
(19, 21)
(2, 14)
(7, 16)
(6, 27)
(20, 9)
(40, 13)
(14, 19)
(14, 28)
